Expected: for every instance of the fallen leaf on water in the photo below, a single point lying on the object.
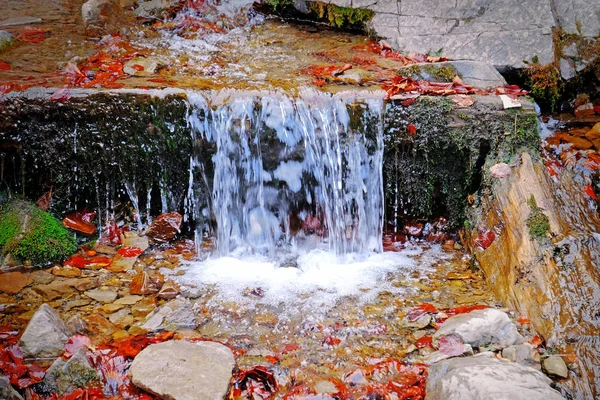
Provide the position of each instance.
(4, 66)
(81, 221)
(130, 251)
(32, 35)
(589, 190)
(485, 239)
(417, 312)
(61, 95)
(412, 129)
(425, 341)
(523, 320)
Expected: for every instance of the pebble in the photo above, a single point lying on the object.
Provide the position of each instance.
(555, 366)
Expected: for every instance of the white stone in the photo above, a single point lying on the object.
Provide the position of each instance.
(45, 335)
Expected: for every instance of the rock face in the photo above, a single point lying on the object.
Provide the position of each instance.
(181, 370)
(6, 390)
(501, 33)
(555, 281)
(481, 327)
(45, 335)
(483, 378)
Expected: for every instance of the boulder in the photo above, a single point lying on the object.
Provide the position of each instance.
(524, 354)
(65, 376)
(484, 378)
(177, 314)
(45, 335)
(181, 370)
(7, 392)
(480, 328)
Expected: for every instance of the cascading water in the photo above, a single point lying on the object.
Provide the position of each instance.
(286, 166)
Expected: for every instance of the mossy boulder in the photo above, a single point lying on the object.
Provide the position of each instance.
(29, 234)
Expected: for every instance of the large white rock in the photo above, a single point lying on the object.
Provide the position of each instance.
(45, 335)
(481, 327)
(181, 370)
(483, 378)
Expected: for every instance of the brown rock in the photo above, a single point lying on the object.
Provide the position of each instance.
(121, 264)
(13, 282)
(596, 144)
(584, 110)
(143, 307)
(105, 249)
(42, 277)
(165, 227)
(169, 290)
(67, 271)
(143, 283)
(594, 133)
(577, 142)
(101, 329)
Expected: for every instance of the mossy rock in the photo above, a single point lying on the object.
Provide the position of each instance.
(30, 234)
(537, 222)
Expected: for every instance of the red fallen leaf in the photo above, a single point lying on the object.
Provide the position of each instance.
(331, 341)
(425, 341)
(340, 71)
(160, 79)
(552, 168)
(464, 309)
(485, 239)
(411, 129)
(272, 359)
(131, 346)
(112, 233)
(256, 382)
(4, 66)
(99, 261)
(76, 343)
(299, 392)
(597, 109)
(61, 95)
(408, 102)
(76, 261)
(451, 345)
(80, 221)
(589, 190)
(32, 35)
(130, 251)
(417, 312)
(138, 67)
(288, 348)
(536, 341)
(523, 320)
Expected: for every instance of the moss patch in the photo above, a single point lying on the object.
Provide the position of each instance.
(31, 234)
(431, 72)
(537, 222)
(341, 16)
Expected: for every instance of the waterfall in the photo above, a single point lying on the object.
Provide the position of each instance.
(286, 167)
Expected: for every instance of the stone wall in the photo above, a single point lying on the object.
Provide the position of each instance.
(503, 33)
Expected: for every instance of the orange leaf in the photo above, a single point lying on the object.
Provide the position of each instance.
(523, 320)
(589, 190)
(4, 66)
(412, 129)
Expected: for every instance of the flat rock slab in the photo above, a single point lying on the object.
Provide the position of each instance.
(481, 327)
(25, 20)
(483, 378)
(13, 282)
(181, 370)
(45, 335)
(103, 296)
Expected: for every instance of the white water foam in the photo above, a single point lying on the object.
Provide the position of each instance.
(318, 283)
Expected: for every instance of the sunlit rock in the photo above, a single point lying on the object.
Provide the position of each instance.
(13, 282)
(45, 335)
(555, 366)
(65, 376)
(182, 370)
(483, 378)
(480, 328)
(175, 315)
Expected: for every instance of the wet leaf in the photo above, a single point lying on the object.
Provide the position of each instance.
(61, 95)
(412, 129)
(4, 66)
(76, 343)
(425, 341)
(485, 239)
(451, 345)
(423, 309)
(258, 381)
(80, 221)
(130, 251)
(32, 35)
(589, 190)
(463, 100)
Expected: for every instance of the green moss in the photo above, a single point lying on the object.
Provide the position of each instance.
(537, 222)
(341, 16)
(31, 234)
(521, 134)
(430, 72)
(277, 5)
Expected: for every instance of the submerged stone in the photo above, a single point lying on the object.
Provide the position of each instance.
(175, 315)
(7, 392)
(13, 282)
(181, 370)
(484, 378)
(65, 376)
(45, 335)
(555, 366)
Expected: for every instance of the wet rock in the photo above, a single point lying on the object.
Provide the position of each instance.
(67, 271)
(132, 239)
(111, 308)
(420, 323)
(169, 290)
(182, 370)
(121, 264)
(142, 66)
(6, 40)
(500, 170)
(481, 327)
(478, 74)
(76, 325)
(524, 354)
(437, 356)
(153, 8)
(100, 16)
(143, 307)
(7, 392)
(594, 133)
(175, 315)
(100, 328)
(165, 227)
(121, 318)
(41, 277)
(45, 335)
(142, 283)
(105, 249)
(128, 300)
(13, 282)
(483, 378)
(584, 110)
(101, 295)
(555, 366)
(16, 21)
(65, 376)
